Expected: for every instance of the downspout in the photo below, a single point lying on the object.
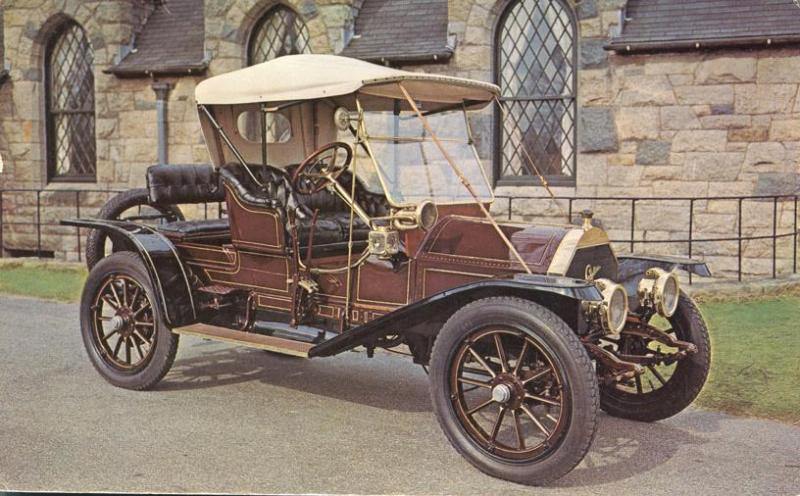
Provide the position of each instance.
(162, 95)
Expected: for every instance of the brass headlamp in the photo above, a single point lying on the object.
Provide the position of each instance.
(659, 289)
(613, 310)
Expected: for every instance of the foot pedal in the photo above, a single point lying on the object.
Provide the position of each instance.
(249, 339)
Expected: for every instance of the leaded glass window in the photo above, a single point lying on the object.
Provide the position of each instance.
(535, 55)
(280, 31)
(69, 68)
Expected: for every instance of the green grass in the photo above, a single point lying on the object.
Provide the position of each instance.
(50, 282)
(755, 362)
(755, 358)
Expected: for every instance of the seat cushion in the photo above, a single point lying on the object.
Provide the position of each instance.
(331, 228)
(186, 230)
(181, 183)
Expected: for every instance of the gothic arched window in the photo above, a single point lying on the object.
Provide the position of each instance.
(280, 31)
(535, 64)
(69, 68)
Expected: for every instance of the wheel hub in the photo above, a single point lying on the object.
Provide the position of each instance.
(501, 393)
(117, 323)
(123, 322)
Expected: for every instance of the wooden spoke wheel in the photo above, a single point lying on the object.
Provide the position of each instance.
(514, 390)
(669, 385)
(507, 393)
(122, 324)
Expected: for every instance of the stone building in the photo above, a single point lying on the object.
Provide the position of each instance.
(600, 98)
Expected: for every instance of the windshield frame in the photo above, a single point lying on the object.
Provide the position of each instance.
(362, 137)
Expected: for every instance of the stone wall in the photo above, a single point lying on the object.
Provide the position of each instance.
(706, 123)
(126, 136)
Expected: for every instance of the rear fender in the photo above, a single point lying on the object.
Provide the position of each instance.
(426, 316)
(167, 273)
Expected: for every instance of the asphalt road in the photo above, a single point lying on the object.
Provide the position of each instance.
(230, 419)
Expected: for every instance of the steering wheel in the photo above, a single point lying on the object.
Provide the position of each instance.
(322, 167)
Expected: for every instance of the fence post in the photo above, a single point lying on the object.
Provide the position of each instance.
(774, 236)
(1, 223)
(569, 211)
(633, 221)
(794, 257)
(38, 223)
(739, 256)
(78, 215)
(691, 228)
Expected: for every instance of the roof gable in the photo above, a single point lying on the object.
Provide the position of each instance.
(171, 42)
(679, 24)
(401, 31)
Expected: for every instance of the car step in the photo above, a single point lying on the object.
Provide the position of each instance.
(249, 339)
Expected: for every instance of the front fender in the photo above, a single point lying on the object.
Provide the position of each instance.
(167, 273)
(632, 268)
(560, 294)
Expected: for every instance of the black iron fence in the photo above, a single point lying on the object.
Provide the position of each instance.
(37, 213)
(571, 206)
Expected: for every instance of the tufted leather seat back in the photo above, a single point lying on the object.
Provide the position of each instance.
(183, 183)
(273, 192)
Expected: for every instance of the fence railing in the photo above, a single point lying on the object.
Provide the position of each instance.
(31, 212)
(693, 237)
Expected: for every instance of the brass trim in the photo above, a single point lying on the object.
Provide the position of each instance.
(565, 252)
(252, 286)
(408, 289)
(249, 339)
(593, 237)
(257, 212)
(276, 298)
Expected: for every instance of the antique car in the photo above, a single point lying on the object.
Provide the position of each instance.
(356, 215)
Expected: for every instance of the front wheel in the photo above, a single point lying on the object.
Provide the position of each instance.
(514, 390)
(122, 326)
(668, 386)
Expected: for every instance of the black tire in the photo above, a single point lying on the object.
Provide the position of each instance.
(157, 359)
(112, 210)
(566, 354)
(681, 388)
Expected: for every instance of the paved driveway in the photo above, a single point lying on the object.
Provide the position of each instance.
(236, 420)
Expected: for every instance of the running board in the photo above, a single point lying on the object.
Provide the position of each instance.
(249, 339)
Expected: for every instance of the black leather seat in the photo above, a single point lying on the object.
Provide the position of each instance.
(206, 230)
(183, 183)
(333, 215)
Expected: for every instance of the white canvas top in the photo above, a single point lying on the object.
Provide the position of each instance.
(310, 77)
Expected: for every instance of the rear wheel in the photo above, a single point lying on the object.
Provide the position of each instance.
(514, 390)
(122, 326)
(669, 386)
(133, 203)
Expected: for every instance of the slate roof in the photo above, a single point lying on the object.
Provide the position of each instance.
(683, 24)
(401, 31)
(171, 42)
